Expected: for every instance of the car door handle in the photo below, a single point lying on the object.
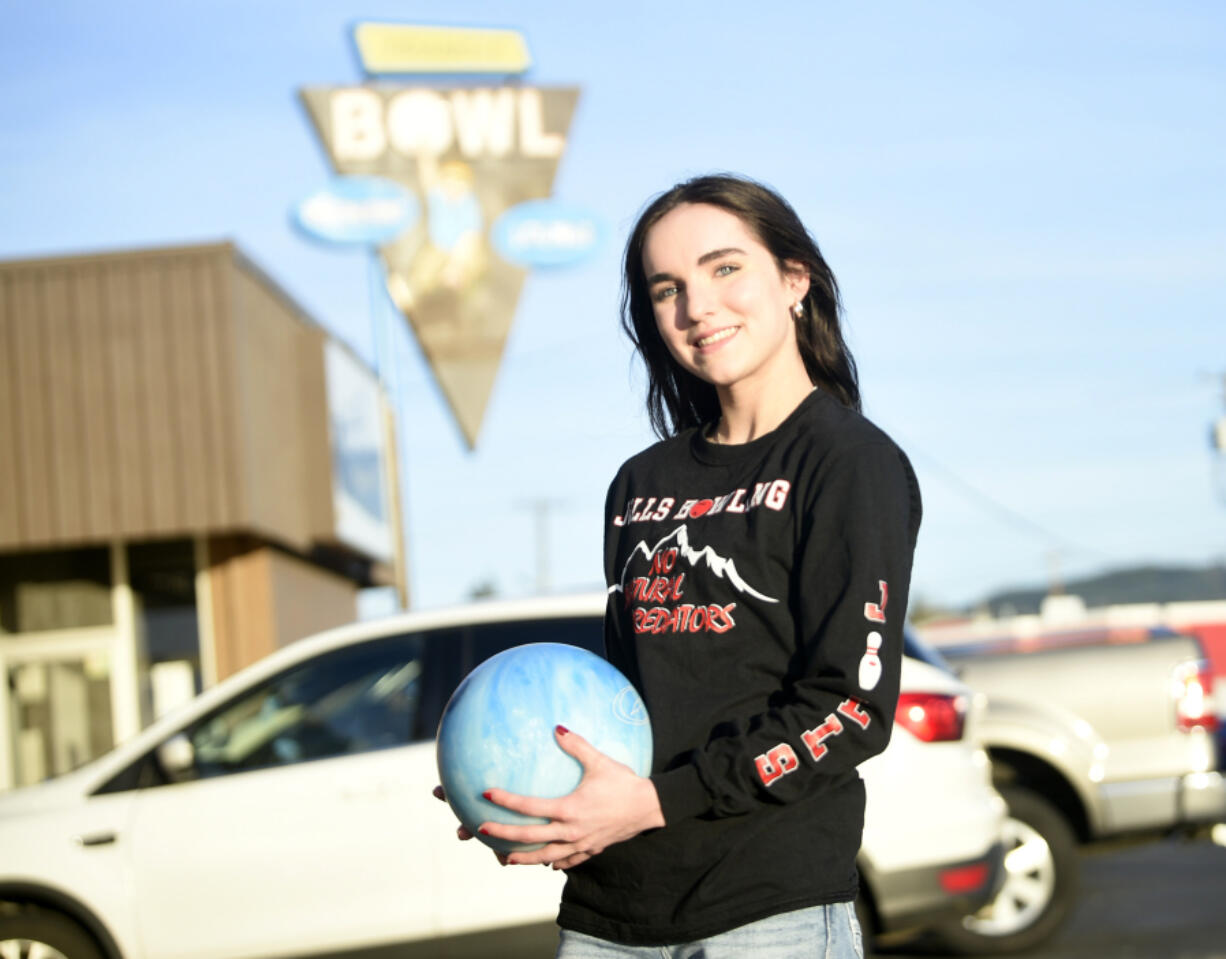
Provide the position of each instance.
(374, 791)
(96, 839)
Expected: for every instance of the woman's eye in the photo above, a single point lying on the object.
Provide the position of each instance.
(725, 268)
(664, 292)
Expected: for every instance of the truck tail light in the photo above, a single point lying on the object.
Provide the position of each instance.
(932, 717)
(1192, 688)
(963, 879)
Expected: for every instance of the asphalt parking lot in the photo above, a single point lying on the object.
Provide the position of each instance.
(1164, 900)
(1161, 900)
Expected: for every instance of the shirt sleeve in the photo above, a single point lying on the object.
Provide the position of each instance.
(848, 596)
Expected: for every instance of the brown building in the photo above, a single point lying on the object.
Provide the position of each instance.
(193, 474)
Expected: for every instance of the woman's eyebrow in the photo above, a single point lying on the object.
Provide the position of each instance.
(705, 258)
(716, 254)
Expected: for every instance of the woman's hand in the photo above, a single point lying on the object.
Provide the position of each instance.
(611, 804)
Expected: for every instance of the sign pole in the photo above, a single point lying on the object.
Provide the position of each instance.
(388, 376)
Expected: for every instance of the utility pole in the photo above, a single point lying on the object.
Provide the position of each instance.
(1217, 436)
(1217, 443)
(541, 509)
(1055, 580)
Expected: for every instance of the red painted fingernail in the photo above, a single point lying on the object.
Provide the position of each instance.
(562, 730)
(486, 795)
(484, 832)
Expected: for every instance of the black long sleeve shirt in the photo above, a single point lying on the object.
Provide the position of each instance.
(756, 600)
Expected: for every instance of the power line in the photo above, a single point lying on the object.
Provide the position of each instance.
(1006, 514)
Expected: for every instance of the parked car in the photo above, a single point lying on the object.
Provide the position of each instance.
(1095, 735)
(287, 811)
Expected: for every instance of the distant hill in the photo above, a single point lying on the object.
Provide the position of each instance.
(1143, 584)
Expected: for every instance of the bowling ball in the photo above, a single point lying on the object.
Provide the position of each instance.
(497, 730)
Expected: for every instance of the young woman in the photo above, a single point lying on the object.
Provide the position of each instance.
(758, 560)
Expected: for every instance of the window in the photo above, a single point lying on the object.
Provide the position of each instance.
(350, 701)
(444, 662)
(162, 576)
(451, 654)
(65, 589)
(916, 648)
(61, 715)
(381, 693)
(489, 639)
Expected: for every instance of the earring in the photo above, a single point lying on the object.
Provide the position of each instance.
(798, 311)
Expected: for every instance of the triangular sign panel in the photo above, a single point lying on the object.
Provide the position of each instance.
(469, 154)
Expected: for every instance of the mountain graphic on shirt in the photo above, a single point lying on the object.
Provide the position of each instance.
(722, 567)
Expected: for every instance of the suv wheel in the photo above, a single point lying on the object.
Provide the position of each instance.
(1039, 887)
(31, 933)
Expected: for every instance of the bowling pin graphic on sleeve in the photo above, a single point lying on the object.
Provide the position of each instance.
(870, 662)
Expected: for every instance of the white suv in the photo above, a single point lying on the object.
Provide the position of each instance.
(288, 811)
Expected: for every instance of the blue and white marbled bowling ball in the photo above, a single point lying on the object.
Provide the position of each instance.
(497, 730)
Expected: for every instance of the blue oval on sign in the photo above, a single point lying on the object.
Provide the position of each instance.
(358, 209)
(545, 233)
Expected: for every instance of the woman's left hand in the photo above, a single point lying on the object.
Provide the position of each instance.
(610, 804)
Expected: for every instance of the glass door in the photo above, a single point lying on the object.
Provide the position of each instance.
(58, 701)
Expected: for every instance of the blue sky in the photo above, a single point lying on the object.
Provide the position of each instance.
(1025, 205)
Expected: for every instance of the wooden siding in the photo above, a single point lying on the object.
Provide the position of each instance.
(155, 393)
(263, 598)
(280, 374)
(240, 585)
(307, 599)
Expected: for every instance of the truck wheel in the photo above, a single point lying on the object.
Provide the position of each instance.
(1040, 882)
(30, 933)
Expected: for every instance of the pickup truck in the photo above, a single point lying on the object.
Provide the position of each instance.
(1094, 735)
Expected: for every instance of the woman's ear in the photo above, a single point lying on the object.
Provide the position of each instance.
(796, 279)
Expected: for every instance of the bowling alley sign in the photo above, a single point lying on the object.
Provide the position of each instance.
(452, 187)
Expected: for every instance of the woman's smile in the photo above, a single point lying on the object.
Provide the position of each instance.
(719, 336)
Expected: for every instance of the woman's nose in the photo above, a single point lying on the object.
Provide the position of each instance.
(699, 302)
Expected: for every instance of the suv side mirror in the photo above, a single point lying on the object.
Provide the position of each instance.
(177, 757)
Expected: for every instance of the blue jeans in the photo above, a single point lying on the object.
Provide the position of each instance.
(819, 932)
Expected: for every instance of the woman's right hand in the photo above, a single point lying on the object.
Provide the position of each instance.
(611, 804)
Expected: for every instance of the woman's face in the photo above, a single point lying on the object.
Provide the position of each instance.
(721, 303)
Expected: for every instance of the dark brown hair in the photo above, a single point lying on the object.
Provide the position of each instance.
(676, 399)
